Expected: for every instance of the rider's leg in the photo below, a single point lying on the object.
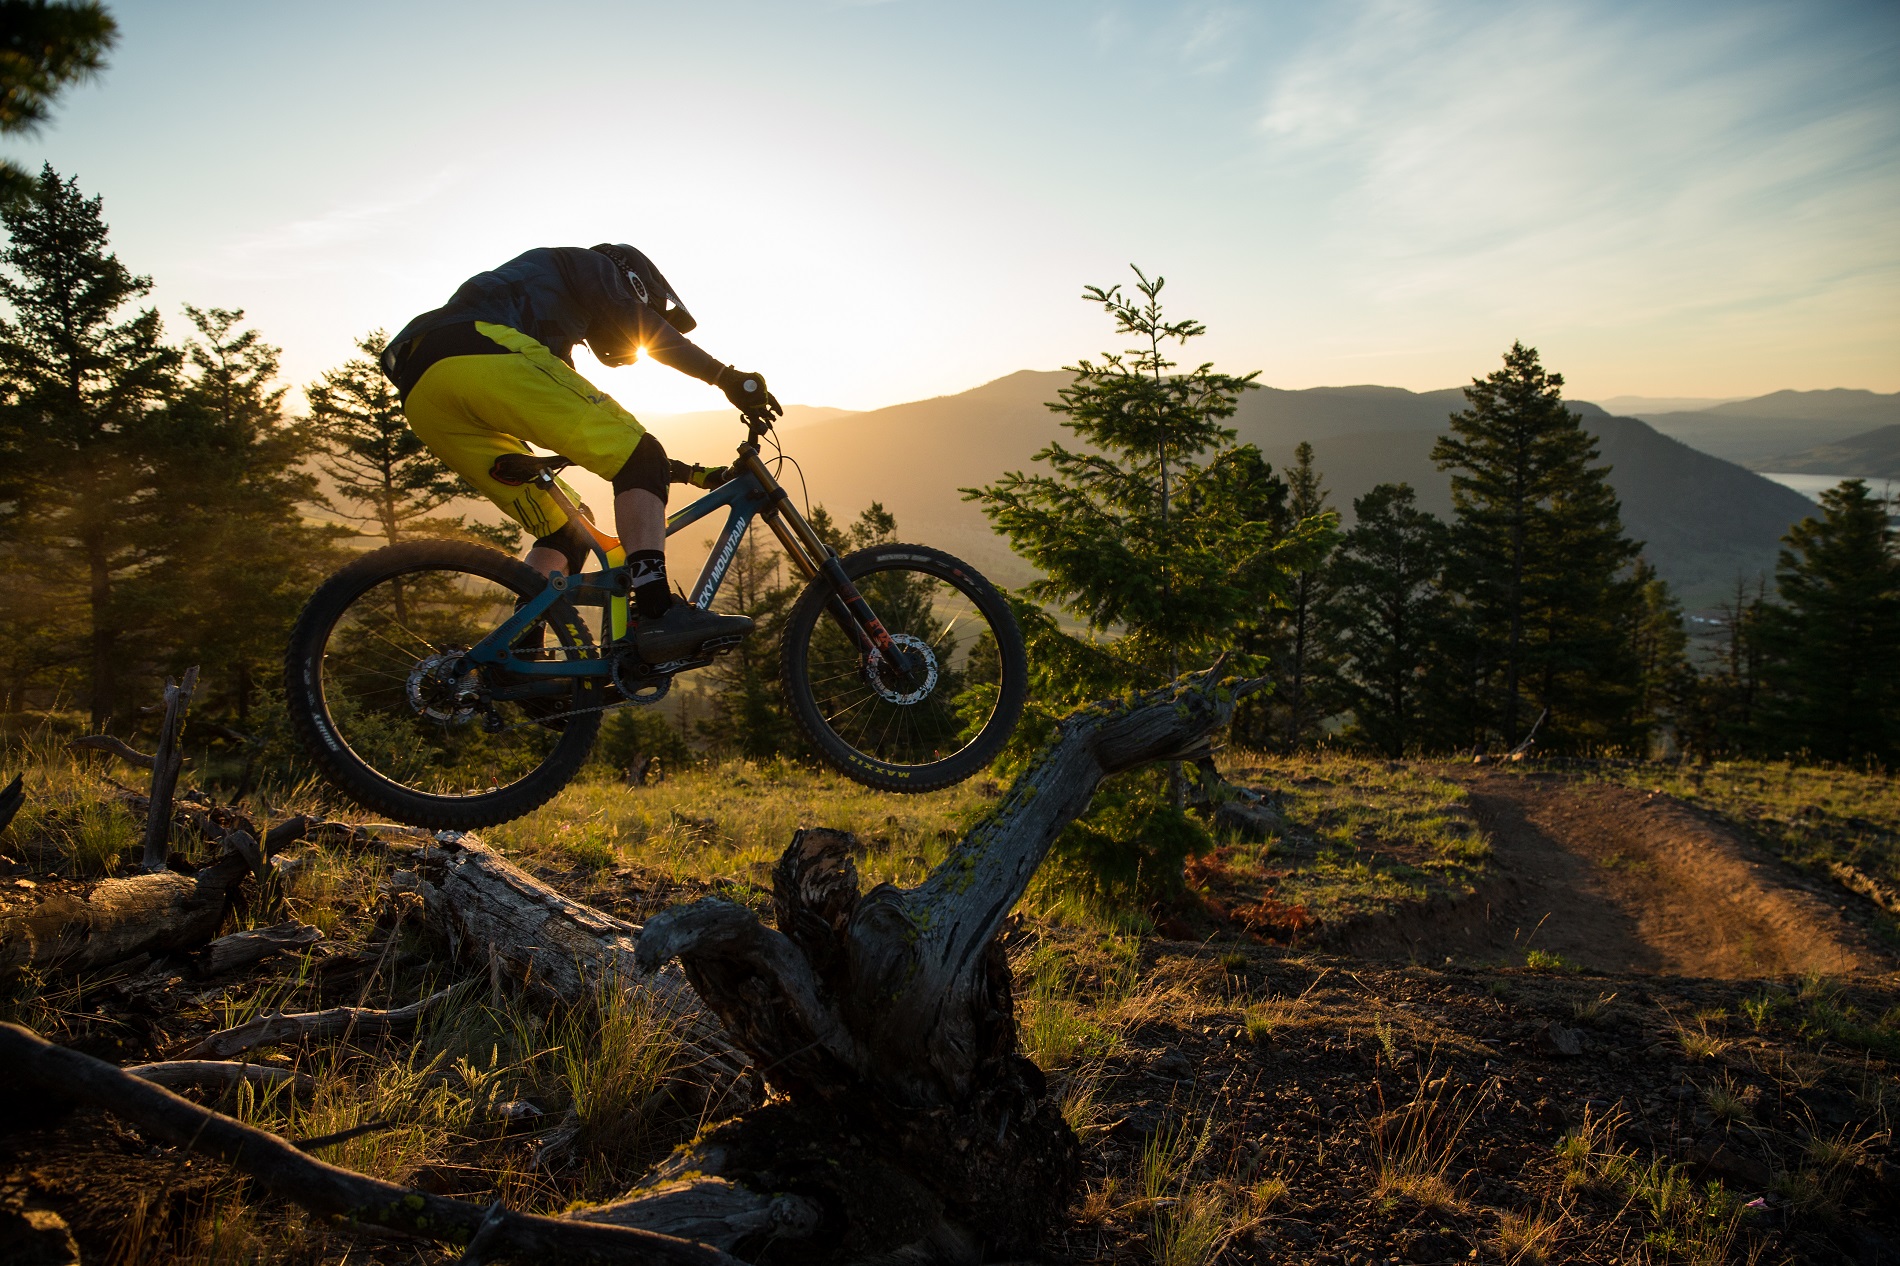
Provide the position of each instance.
(545, 560)
(640, 519)
(567, 548)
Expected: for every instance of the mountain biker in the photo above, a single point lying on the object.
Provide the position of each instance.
(492, 371)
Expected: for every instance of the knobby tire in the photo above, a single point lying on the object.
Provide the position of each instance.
(326, 744)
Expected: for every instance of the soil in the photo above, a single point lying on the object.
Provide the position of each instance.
(1616, 880)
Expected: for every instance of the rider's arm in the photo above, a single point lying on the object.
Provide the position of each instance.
(621, 324)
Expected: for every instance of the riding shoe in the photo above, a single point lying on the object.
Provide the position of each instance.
(684, 630)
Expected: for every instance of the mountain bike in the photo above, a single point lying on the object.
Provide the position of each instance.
(449, 685)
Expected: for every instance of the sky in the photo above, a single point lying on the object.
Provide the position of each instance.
(877, 202)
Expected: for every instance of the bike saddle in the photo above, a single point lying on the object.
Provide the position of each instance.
(515, 469)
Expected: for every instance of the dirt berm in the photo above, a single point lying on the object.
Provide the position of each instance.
(1617, 880)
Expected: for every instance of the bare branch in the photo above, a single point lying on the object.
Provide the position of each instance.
(323, 1188)
(356, 1022)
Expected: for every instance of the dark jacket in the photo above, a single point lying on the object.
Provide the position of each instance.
(558, 296)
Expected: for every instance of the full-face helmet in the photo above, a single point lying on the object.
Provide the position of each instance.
(650, 284)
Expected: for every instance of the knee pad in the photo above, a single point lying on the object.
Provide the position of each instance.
(645, 468)
(571, 541)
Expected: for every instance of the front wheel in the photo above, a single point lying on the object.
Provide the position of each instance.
(942, 716)
(383, 704)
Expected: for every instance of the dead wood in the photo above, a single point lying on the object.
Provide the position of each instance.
(116, 746)
(336, 1022)
(215, 1074)
(166, 762)
(326, 1189)
(888, 1023)
(241, 949)
(11, 799)
(288, 832)
(496, 913)
(116, 919)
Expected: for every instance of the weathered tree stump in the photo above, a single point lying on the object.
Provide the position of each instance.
(907, 1121)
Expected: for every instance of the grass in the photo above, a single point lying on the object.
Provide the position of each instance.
(1415, 1146)
(1054, 1024)
(1362, 838)
(1525, 1239)
(1817, 816)
(71, 822)
(731, 822)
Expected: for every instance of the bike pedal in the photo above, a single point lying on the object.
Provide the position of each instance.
(719, 644)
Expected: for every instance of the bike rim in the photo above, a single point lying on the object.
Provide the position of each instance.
(931, 715)
(423, 734)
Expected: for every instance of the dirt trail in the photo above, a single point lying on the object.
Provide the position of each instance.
(1616, 880)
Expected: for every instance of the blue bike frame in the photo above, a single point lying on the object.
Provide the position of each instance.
(750, 493)
(743, 498)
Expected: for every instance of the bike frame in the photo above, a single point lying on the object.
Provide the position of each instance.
(752, 493)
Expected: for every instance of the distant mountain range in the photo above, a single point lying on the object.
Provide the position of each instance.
(1872, 454)
(1704, 520)
(1760, 432)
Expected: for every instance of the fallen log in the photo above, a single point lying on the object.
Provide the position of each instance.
(281, 1168)
(557, 948)
(887, 1023)
(215, 1074)
(343, 1022)
(115, 919)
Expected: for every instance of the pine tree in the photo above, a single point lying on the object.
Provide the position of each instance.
(1384, 614)
(1298, 665)
(393, 485)
(1666, 684)
(1539, 561)
(1722, 720)
(242, 557)
(1832, 642)
(83, 392)
(45, 45)
(1161, 537)
(1138, 534)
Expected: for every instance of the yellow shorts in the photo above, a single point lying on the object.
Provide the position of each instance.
(470, 410)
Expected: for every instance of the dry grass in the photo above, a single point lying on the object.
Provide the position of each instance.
(1526, 1239)
(598, 1090)
(1416, 1145)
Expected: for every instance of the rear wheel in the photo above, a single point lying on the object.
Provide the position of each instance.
(383, 705)
(944, 717)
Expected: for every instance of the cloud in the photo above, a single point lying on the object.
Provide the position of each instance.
(1212, 42)
(1681, 157)
(313, 244)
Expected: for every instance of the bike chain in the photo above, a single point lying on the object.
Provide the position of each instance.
(579, 712)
